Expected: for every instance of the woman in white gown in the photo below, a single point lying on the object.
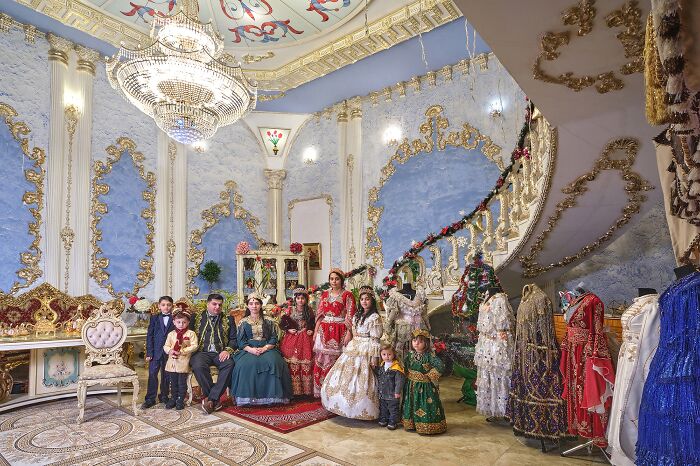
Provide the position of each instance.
(350, 388)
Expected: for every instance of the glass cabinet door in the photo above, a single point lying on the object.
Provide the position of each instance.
(291, 276)
(248, 275)
(270, 278)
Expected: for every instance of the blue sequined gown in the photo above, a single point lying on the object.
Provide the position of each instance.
(669, 415)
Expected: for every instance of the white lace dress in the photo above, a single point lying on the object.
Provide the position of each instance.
(350, 387)
(493, 355)
(403, 316)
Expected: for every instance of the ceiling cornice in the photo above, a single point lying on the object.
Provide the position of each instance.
(398, 26)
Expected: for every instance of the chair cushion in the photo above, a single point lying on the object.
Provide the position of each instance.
(104, 335)
(106, 371)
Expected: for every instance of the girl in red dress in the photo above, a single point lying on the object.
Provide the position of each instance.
(298, 341)
(333, 326)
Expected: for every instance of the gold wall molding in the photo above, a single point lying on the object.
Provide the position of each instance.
(398, 26)
(628, 17)
(98, 209)
(211, 216)
(634, 187)
(435, 125)
(35, 175)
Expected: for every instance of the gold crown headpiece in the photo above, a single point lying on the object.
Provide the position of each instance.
(300, 290)
(419, 332)
(255, 295)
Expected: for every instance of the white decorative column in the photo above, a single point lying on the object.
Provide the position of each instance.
(162, 266)
(58, 62)
(345, 218)
(178, 245)
(356, 256)
(274, 204)
(82, 160)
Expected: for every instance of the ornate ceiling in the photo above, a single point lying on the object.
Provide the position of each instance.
(282, 43)
(245, 23)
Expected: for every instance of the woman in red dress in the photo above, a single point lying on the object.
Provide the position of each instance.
(333, 326)
(298, 341)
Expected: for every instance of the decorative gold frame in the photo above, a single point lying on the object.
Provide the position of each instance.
(35, 175)
(420, 16)
(629, 17)
(467, 137)
(211, 217)
(317, 246)
(329, 200)
(634, 186)
(98, 209)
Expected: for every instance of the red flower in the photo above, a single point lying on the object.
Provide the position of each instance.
(439, 346)
(133, 300)
(296, 248)
(472, 328)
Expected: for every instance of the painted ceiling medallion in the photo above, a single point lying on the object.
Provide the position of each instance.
(181, 79)
(248, 23)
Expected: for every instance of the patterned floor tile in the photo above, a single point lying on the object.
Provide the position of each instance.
(60, 410)
(165, 452)
(174, 420)
(245, 446)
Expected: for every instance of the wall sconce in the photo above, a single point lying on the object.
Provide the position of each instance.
(392, 135)
(496, 108)
(200, 147)
(310, 155)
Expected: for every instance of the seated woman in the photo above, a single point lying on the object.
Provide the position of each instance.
(260, 377)
(350, 388)
(298, 342)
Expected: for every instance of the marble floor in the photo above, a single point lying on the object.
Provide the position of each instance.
(47, 434)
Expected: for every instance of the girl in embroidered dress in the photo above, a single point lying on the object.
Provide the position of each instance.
(298, 341)
(350, 388)
(422, 409)
(260, 377)
(333, 326)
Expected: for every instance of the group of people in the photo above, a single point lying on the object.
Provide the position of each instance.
(336, 354)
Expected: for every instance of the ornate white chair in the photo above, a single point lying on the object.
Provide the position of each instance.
(103, 335)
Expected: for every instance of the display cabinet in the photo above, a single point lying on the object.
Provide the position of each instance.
(272, 272)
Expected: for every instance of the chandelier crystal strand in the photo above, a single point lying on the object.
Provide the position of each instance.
(181, 79)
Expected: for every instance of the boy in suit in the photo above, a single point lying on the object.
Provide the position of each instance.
(158, 328)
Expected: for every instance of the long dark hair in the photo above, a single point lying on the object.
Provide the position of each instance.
(306, 314)
(361, 316)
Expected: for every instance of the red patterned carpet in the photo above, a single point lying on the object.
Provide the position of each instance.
(286, 418)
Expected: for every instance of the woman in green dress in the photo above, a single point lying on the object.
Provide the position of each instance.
(260, 377)
(422, 409)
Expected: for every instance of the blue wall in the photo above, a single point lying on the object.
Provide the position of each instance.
(123, 229)
(220, 246)
(14, 216)
(427, 192)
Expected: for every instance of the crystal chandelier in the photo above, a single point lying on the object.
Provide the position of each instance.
(180, 79)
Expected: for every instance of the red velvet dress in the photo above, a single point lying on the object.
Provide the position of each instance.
(587, 370)
(335, 315)
(297, 349)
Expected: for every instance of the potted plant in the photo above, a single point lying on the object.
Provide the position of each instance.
(210, 273)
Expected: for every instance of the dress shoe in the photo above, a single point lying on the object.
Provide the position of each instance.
(207, 405)
(170, 404)
(391, 427)
(179, 405)
(148, 404)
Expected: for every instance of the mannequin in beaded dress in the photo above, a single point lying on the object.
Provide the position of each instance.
(404, 315)
(493, 354)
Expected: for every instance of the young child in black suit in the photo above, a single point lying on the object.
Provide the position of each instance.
(158, 328)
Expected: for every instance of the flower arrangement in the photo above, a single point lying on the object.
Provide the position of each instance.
(274, 137)
(243, 247)
(296, 248)
(139, 305)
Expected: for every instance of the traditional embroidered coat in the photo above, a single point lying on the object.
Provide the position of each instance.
(535, 406)
(640, 337)
(181, 364)
(587, 371)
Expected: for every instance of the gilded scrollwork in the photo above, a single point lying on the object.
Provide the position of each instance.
(35, 175)
(98, 209)
(211, 216)
(435, 128)
(628, 17)
(634, 187)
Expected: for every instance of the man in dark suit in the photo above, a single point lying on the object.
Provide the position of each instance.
(158, 328)
(216, 334)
